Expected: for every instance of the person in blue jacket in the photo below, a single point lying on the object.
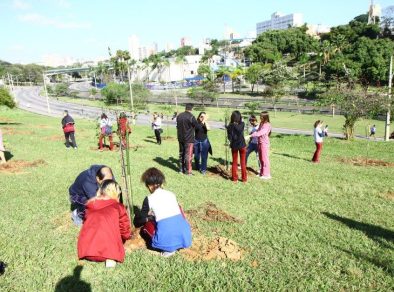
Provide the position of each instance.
(84, 188)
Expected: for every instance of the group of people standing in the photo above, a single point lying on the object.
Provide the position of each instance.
(96, 200)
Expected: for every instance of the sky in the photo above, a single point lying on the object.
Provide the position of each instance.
(35, 31)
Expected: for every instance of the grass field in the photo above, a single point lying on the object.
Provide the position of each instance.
(312, 227)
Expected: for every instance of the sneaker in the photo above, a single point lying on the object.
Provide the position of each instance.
(265, 177)
(258, 175)
(75, 147)
(167, 254)
(101, 150)
(110, 264)
(203, 172)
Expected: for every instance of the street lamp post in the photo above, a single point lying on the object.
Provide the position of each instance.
(130, 87)
(46, 93)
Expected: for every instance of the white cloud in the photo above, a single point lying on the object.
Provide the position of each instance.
(46, 21)
(19, 4)
(63, 3)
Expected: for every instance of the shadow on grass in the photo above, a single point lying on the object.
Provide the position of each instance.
(10, 123)
(8, 155)
(291, 156)
(220, 160)
(150, 141)
(137, 216)
(171, 162)
(73, 283)
(385, 265)
(374, 232)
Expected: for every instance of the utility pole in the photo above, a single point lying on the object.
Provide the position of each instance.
(387, 126)
(130, 87)
(46, 93)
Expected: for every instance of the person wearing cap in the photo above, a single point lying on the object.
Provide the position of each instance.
(185, 124)
(85, 187)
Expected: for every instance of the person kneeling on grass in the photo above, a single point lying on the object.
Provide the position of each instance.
(106, 227)
(164, 223)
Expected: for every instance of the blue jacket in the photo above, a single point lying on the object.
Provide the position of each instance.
(84, 188)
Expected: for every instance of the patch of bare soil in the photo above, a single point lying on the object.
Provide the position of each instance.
(12, 131)
(220, 170)
(136, 241)
(360, 161)
(210, 212)
(4, 119)
(389, 196)
(62, 222)
(44, 127)
(17, 166)
(136, 147)
(54, 138)
(213, 249)
(105, 148)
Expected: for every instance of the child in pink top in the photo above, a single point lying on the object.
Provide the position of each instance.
(263, 143)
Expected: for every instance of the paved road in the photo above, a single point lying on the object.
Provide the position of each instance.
(29, 99)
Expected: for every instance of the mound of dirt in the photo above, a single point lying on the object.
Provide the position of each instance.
(12, 131)
(219, 170)
(213, 249)
(360, 161)
(210, 212)
(389, 196)
(17, 166)
(136, 241)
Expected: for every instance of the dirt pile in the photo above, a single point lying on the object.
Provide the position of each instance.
(210, 212)
(17, 166)
(360, 161)
(220, 170)
(136, 241)
(389, 196)
(12, 131)
(213, 249)
(105, 148)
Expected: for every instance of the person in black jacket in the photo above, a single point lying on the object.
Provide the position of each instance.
(185, 124)
(201, 143)
(85, 187)
(235, 134)
(69, 130)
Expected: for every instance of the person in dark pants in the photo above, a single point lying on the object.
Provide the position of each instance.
(235, 134)
(69, 130)
(156, 126)
(201, 144)
(185, 124)
(85, 187)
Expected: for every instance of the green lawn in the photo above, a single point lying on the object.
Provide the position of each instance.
(312, 227)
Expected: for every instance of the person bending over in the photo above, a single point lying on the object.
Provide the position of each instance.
(163, 221)
(106, 227)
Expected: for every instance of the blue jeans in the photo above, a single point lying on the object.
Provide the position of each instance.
(75, 218)
(201, 148)
(252, 147)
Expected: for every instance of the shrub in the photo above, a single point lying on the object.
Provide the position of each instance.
(6, 98)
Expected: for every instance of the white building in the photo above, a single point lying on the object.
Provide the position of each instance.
(280, 21)
(134, 45)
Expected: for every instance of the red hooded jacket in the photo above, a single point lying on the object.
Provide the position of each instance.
(104, 230)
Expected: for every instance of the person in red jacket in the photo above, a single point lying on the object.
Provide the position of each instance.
(106, 227)
(69, 130)
(123, 128)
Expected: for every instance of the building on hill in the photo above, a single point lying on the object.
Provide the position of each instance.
(280, 21)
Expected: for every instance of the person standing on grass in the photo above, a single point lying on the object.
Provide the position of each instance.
(164, 224)
(85, 187)
(263, 143)
(123, 128)
(318, 135)
(235, 134)
(69, 130)
(2, 149)
(156, 126)
(201, 144)
(372, 131)
(105, 131)
(106, 227)
(185, 125)
(253, 145)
